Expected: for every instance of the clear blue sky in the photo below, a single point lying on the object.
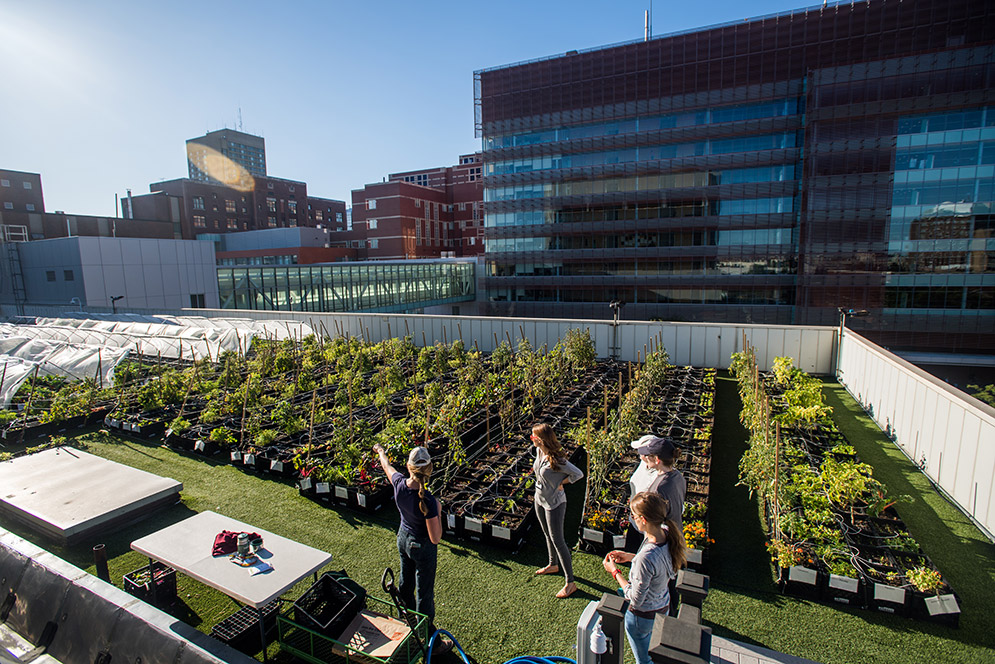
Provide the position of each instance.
(99, 96)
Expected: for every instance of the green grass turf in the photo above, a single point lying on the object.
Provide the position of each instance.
(490, 601)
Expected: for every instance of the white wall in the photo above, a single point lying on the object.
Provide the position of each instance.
(697, 344)
(948, 433)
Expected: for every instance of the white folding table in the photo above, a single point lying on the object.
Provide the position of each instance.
(186, 547)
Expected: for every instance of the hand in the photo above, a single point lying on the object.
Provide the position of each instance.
(378, 448)
(609, 565)
(621, 556)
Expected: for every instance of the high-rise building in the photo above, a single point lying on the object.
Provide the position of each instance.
(226, 157)
(768, 170)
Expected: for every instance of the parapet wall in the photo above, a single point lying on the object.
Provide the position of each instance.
(90, 616)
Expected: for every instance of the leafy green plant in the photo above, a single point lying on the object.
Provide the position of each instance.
(925, 580)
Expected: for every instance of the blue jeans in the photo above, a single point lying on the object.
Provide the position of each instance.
(638, 631)
(419, 558)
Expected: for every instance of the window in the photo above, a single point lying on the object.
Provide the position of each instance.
(233, 224)
(30, 207)
(269, 185)
(68, 275)
(292, 189)
(374, 243)
(292, 206)
(271, 222)
(50, 275)
(230, 207)
(7, 205)
(338, 217)
(317, 215)
(372, 204)
(5, 183)
(197, 301)
(27, 185)
(372, 224)
(198, 221)
(198, 202)
(271, 204)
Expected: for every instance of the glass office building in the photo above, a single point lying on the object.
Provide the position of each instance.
(381, 286)
(767, 171)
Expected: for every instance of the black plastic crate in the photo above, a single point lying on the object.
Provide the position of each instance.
(139, 584)
(329, 605)
(240, 630)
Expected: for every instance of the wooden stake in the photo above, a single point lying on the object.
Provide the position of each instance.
(445, 339)
(606, 407)
(459, 328)
(424, 340)
(777, 474)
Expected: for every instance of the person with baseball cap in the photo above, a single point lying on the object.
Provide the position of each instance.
(656, 473)
(418, 536)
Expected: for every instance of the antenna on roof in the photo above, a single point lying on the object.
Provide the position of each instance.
(240, 118)
(648, 23)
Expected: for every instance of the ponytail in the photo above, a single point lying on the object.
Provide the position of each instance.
(421, 475)
(676, 545)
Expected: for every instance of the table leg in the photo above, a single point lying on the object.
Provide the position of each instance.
(262, 633)
(155, 589)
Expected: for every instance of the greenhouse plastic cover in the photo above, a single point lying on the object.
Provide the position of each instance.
(19, 355)
(92, 346)
(177, 337)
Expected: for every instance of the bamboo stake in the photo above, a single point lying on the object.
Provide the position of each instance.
(620, 394)
(459, 328)
(407, 332)
(310, 434)
(27, 406)
(424, 340)
(390, 335)
(606, 407)
(3, 377)
(495, 341)
(487, 411)
(351, 430)
(777, 474)
(245, 399)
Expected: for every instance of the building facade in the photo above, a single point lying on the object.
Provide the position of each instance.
(210, 209)
(226, 157)
(772, 170)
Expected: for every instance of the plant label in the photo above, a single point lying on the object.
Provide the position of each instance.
(236, 456)
(801, 574)
(501, 532)
(618, 541)
(276, 466)
(843, 583)
(594, 536)
(199, 446)
(889, 593)
(474, 525)
(306, 484)
(249, 459)
(341, 492)
(942, 605)
(323, 487)
(451, 520)
(361, 499)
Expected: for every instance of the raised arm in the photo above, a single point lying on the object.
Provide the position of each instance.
(384, 461)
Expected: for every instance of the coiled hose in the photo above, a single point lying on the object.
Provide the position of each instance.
(524, 659)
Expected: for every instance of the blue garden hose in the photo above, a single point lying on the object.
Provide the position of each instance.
(525, 659)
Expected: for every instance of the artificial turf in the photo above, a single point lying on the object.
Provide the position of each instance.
(489, 599)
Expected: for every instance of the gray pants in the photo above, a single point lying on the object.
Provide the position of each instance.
(551, 522)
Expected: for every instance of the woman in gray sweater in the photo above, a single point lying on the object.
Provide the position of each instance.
(552, 473)
(661, 553)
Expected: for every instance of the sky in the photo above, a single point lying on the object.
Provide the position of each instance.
(100, 96)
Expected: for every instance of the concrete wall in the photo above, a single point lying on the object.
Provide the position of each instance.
(59, 257)
(948, 433)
